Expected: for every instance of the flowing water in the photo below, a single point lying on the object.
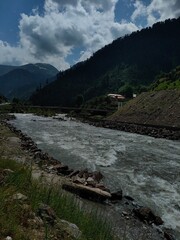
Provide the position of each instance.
(146, 168)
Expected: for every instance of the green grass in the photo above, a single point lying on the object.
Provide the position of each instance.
(13, 218)
(5, 108)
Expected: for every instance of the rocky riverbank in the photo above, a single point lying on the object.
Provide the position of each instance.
(89, 185)
(19, 218)
(155, 114)
(158, 111)
(156, 131)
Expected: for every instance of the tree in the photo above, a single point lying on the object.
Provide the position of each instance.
(127, 91)
(79, 100)
(16, 100)
(3, 99)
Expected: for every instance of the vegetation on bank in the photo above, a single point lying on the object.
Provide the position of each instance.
(22, 107)
(167, 81)
(13, 220)
(3, 99)
(19, 217)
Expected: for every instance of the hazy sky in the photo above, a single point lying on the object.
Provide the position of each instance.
(63, 32)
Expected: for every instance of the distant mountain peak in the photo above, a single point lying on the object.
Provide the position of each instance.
(21, 81)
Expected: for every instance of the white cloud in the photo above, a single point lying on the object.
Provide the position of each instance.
(157, 10)
(140, 10)
(67, 25)
(11, 55)
(64, 26)
(66, 2)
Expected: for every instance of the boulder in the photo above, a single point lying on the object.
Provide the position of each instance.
(116, 195)
(19, 197)
(78, 180)
(67, 172)
(129, 198)
(37, 154)
(14, 140)
(46, 213)
(8, 238)
(74, 173)
(124, 213)
(158, 220)
(68, 230)
(8, 171)
(90, 181)
(94, 194)
(83, 174)
(168, 236)
(146, 214)
(97, 176)
(60, 168)
(102, 187)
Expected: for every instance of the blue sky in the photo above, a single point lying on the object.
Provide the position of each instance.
(10, 15)
(63, 32)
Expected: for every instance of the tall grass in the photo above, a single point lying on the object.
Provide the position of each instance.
(92, 225)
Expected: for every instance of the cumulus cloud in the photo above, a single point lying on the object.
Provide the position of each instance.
(11, 55)
(104, 5)
(65, 26)
(157, 10)
(140, 10)
(65, 2)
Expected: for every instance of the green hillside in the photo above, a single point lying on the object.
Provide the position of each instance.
(166, 81)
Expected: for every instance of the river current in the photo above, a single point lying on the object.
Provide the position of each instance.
(146, 168)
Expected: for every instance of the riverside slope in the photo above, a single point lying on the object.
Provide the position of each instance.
(160, 108)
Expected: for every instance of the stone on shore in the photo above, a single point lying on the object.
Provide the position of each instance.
(94, 194)
(116, 195)
(146, 214)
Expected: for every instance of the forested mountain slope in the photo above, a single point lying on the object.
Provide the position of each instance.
(135, 59)
(20, 82)
(5, 69)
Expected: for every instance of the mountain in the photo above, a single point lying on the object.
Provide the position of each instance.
(42, 69)
(5, 69)
(133, 60)
(21, 82)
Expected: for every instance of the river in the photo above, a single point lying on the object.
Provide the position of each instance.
(146, 168)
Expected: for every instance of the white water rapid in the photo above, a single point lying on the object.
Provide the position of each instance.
(146, 168)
